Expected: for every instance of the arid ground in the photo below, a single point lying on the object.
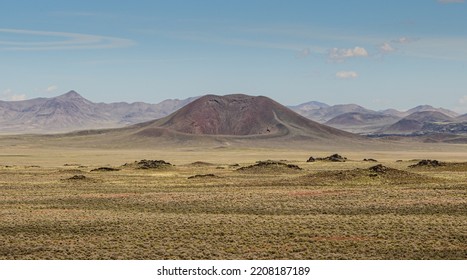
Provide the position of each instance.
(59, 203)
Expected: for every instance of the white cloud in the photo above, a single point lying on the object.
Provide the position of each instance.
(463, 100)
(346, 75)
(386, 48)
(51, 88)
(340, 55)
(9, 95)
(450, 1)
(58, 41)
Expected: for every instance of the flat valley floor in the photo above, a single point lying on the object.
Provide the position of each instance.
(59, 203)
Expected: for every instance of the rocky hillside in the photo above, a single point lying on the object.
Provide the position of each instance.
(71, 111)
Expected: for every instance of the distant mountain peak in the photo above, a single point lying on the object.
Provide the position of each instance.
(422, 108)
(431, 116)
(71, 111)
(309, 106)
(71, 95)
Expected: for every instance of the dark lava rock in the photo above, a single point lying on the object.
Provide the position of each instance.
(105, 169)
(150, 164)
(379, 168)
(370, 160)
(201, 163)
(334, 158)
(199, 176)
(77, 177)
(428, 163)
(270, 164)
(311, 159)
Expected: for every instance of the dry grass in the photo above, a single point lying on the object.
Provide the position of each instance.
(325, 211)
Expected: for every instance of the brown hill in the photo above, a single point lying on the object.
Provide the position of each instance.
(425, 108)
(363, 123)
(418, 122)
(394, 112)
(420, 108)
(324, 114)
(429, 116)
(304, 108)
(239, 115)
(355, 118)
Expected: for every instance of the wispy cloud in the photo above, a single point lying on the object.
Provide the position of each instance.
(9, 95)
(394, 45)
(51, 88)
(339, 55)
(450, 1)
(303, 42)
(442, 48)
(41, 41)
(308, 33)
(386, 48)
(344, 75)
(404, 40)
(239, 41)
(242, 37)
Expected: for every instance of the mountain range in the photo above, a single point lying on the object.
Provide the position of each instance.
(420, 120)
(70, 111)
(213, 121)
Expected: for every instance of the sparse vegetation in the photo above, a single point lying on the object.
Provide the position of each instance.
(324, 211)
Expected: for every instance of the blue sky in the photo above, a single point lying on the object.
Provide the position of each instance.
(376, 53)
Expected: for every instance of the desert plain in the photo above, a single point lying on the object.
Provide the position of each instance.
(62, 199)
